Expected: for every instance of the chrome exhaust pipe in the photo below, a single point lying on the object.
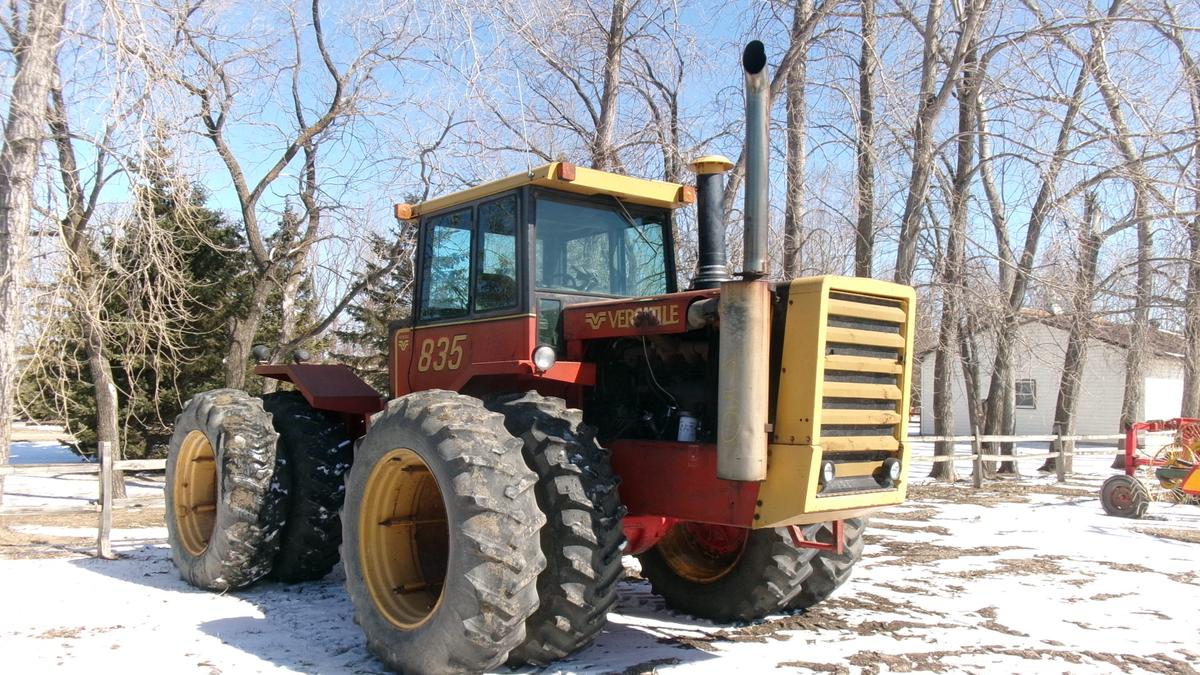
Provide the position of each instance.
(745, 306)
(758, 114)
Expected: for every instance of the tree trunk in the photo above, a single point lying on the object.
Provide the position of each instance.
(1081, 324)
(603, 155)
(34, 52)
(107, 413)
(242, 332)
(797, 135)
(953, 272)
(864, 242)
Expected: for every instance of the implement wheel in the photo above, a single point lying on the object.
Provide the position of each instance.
(726, 573)
(223, 517)
(440, 538)
(583, 535)
(1124, 496)
(317, 451)
(830, 570)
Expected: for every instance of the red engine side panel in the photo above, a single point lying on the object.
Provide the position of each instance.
(679, 480)
(641, 316)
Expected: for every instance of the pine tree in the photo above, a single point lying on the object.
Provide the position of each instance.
(363, 342)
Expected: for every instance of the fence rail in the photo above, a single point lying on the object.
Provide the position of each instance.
(104, 468)
(107, 466)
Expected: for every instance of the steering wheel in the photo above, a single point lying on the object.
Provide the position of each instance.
(585, 280)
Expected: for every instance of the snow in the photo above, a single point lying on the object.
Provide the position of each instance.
(1036, 580)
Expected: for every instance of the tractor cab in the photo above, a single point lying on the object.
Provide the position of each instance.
(497, 265)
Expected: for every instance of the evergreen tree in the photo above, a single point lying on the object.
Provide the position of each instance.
(363, 342)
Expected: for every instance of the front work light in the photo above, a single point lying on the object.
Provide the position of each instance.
(544, 358)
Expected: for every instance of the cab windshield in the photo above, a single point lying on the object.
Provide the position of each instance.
(601, 249)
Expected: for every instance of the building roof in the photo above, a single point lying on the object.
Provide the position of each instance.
(1163, 343)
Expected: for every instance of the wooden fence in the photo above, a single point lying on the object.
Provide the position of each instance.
(104, 468)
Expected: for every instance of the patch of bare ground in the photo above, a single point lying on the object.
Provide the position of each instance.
(1186, 536)
(989, 613)
(922, 553)
(1005, 491)
(921, 529)
(908, 590)
(912, 514)
(830, 616)
(835, 668)
(873, 662)
(645, 668)
(15, 544)
(1142, 569)
(1038, 564)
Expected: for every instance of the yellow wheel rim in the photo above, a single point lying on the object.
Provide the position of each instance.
(194, 490)
(404, 541)
(703, 553)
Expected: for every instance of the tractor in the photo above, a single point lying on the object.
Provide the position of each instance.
(557, 403)
(1167, 473)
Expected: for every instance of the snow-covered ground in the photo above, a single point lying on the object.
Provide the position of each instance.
(64, 490)
(1025, 577)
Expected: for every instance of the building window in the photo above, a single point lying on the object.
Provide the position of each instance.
(1026, 391)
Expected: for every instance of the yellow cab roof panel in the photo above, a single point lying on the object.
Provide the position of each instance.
(567, 178)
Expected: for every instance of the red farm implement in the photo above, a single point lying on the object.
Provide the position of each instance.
(1164, 473)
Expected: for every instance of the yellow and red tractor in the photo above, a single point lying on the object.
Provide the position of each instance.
(555, 403)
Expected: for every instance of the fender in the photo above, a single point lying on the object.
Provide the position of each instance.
(328, 386)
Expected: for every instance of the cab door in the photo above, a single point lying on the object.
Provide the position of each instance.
(472, 313)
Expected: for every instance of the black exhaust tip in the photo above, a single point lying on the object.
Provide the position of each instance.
(754, 57)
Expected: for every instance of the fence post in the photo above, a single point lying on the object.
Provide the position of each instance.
(977, 463)
(103, 543)
(1060, 462)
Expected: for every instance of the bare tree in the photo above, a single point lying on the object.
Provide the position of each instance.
(1080, 330)
(318, 113)
(864, 177)
(931, 100)
(34, 30)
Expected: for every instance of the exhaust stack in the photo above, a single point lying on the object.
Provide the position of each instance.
(712, 269)
(744, 375)
(754, 63)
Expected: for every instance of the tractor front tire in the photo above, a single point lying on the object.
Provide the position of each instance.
(1124, 496)
(582, 537)
(830, 569)
(317, 450)
(440, 543)
(726, 573)
(223, 515)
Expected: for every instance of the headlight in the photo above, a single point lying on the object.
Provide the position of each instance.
(828, 471)
(889, 473)
(544, 358)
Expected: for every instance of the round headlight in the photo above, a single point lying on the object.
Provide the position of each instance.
(828, 471)
(889, 473)
(544, 358)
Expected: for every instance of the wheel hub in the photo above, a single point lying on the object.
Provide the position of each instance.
(194, 492)
(703, 553)
(405, 540)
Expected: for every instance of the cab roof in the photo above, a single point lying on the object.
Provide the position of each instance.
(565, 177)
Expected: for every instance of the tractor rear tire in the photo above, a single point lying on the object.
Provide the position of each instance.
(440, 538)
(317, 450)
(223, 515)
(724, 573)
(583, 535)
(1124, 496)
(830, 570)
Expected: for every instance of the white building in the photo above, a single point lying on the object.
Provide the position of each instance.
(1037, 367)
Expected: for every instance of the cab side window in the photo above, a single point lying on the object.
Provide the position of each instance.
(496, 283)
(446, 277)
